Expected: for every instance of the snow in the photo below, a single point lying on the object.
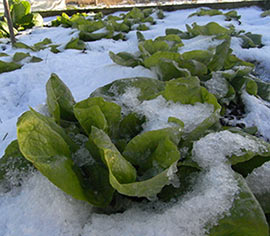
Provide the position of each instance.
(38, 208)
(258, 182)
(258, 114)
(158, 110)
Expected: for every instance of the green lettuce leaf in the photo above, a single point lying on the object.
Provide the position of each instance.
(217, 63)
(8, 66)
(18, 56)
(155, 149)
(121, 173)
(118, 166)
(95, 111)
(154, 59)
(149, 47)
(13, 163)
(246, 216)
(43, 143)
(149, 88)
(124, 59)
(75, 43)
(59, 99)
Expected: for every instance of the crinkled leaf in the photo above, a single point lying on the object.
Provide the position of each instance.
(95, 111)
(124, 59)
(250, 159)
(75, 43)
(203, 56)
(206, 12)
(211, 28)
(232, 61)
(196, 68)
(250, 40)
(131, 125)
(96, 184)
(246, 216)
(42, 45)
(37, 19)
(19, 56)
(149, 88)
(36, 59)
(218, 61)
(245, 82)
(169, 69)
(142, 27)
(147, 12)
(85, 36)
(140, 36)
(153, 149)
(24, 46)
(154, 59)
(118, 166)
(59, 99)
(13, 162)
(184, 90)
(19, 10)
(160, 14)
(186, 175)
(265, 13)
(263, 89)
(148, 188)
(181, 34)
(43, 143)
(149, 47)
(8, 66)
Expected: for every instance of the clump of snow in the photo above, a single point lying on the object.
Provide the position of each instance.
(258, 114)
(217, 85)
(158, 110)
(39, 208)
(214, 148)
(258, 182)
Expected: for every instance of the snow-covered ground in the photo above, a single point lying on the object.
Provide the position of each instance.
(38, 208)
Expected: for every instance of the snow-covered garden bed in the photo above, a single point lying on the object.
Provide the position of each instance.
(164, 125)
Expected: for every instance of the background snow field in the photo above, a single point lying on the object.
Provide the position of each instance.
(38, 208)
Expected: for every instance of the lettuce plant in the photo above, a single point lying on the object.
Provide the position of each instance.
(97, 150)
(112, 27)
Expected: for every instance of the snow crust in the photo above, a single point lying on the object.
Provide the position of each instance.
(158, 110)
(258, 182)
(258, 114)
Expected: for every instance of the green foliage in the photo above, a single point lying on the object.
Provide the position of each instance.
(149, 88)
(265, 13)
(75, 43)
(122, 159)
(213, 12)
(124, 59)
(96, 112)
(22, 16)
(18, 56)
(59, 99)
(246, 216)
(13, 164)
(110, 27)
(8, 66)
